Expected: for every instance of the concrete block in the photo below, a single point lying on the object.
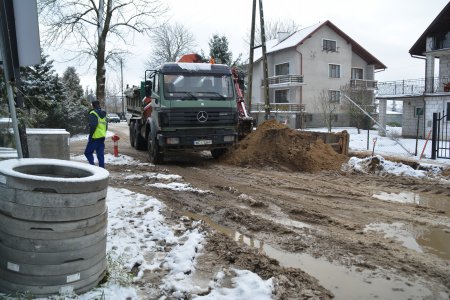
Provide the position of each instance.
(48, 143)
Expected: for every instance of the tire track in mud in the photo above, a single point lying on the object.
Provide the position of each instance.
(336, 205)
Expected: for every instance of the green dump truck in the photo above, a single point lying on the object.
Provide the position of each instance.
(184, 106)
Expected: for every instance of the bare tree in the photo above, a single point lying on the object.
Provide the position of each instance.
(87, 25)
(170, 41)
(272, 28)
(363, 97)
(327, 107)
(113, 100)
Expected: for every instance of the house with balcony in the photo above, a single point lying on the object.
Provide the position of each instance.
(307, 66)
(425, 96)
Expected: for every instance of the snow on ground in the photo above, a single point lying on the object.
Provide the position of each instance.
(391, 145)
(137, 237)
(363, 165)
(138, 233)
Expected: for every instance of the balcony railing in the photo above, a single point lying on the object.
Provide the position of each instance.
(279, 107)
(413, 86)
(285, 80)
(363, 84)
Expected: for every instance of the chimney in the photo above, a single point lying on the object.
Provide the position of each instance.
(281, 36)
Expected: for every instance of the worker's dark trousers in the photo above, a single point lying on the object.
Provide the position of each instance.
(97, 145)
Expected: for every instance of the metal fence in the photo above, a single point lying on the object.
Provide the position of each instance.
(413, 86)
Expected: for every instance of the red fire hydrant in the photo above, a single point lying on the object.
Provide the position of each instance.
(116, 139)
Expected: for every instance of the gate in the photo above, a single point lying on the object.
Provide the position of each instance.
(440, 144)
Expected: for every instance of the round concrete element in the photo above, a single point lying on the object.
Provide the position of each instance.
(52, 175)
(52, 230)
(53, 222)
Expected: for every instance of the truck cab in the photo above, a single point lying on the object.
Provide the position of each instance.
(185, 106)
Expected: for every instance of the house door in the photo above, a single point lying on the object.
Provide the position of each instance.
(440, 144)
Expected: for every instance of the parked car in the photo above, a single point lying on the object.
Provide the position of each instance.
(113, 118)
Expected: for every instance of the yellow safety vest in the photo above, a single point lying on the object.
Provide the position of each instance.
(100, 131)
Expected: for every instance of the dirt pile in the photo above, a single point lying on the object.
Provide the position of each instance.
(277, 146)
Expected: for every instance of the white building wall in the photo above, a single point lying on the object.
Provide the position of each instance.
(410, 120)
(316, 66)
(444, 66)
(308, 59)
(257, 92)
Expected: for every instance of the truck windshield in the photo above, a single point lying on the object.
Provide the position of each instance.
(195, 86)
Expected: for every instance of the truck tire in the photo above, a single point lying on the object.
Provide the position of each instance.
(154, 152)
(139, 141)
(216, 153)
(132, 138)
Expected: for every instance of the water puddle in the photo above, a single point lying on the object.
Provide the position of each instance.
(436, 201)
(419, 238)
(343, 282)
(282, 220)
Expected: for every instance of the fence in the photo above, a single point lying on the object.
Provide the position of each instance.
(412, 86)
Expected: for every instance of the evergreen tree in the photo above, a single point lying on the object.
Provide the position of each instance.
(75, 108)
(218, 49)
(41, 91)
(4, 111)
(71, 82)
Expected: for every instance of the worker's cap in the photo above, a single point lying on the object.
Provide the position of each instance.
(95, 103)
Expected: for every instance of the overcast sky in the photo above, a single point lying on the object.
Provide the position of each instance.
(385, 28)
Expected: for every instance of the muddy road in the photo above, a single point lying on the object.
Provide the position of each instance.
(321, 235)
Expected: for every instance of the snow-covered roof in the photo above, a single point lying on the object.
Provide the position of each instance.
(301, 35)
(290, 41)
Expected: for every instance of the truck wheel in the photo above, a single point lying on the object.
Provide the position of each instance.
(139, 141)
(156, 157)
(216, 153)
(131, 127)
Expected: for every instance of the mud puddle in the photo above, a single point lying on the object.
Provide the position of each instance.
(343, 282)
(437, 201)
(418, 238)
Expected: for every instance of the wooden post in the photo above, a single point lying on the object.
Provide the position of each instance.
(264, 58)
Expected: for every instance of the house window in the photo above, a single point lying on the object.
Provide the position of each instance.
(281, 96)
(334, 71)
(357, 73)
(334, 96)
(282, 69)
(329, 45)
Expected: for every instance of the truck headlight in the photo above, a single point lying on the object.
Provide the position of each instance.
(172, 141)
(228, 138)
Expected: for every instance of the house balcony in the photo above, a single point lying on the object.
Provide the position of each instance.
(279, 107)
(284, 80)
(413, 87)
(361, 84)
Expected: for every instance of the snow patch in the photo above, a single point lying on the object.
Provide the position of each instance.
(366, 165)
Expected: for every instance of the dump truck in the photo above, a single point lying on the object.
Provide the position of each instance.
(187, 105)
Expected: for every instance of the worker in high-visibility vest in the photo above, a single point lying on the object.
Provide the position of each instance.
(98, 126)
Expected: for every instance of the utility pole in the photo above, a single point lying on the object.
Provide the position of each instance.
(265, 68)
(250, 60)
(121, 87)
(264, 58)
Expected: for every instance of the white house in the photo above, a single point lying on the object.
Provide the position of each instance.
(307, 65)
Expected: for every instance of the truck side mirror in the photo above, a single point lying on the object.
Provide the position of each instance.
(148, 88)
